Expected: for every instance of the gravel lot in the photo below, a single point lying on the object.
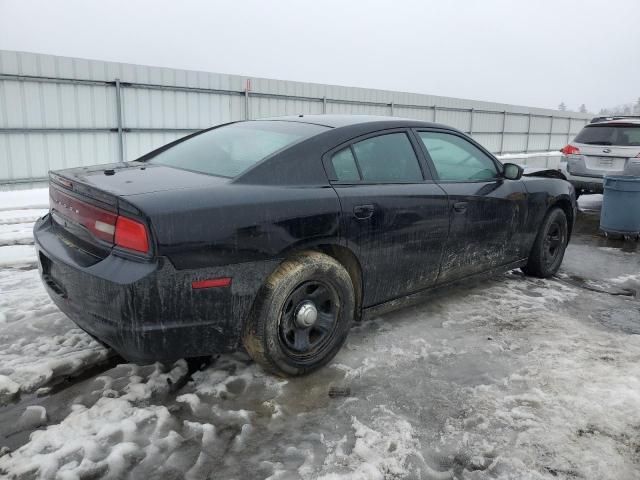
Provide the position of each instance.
(512, 378)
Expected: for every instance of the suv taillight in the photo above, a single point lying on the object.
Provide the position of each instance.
(570, 150)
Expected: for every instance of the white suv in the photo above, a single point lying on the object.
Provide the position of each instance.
(606, 146)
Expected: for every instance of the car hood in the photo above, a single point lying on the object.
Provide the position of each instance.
(135, 178)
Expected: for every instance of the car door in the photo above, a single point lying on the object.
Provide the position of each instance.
(487, 211)
(395, 218)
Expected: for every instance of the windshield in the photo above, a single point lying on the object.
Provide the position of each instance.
(229, 150)
(623, 135)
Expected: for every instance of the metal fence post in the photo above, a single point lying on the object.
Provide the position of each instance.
(435, 114)
(569, 131)
(324, 104)
(391, 107)
(247, 87)
(471, 122)
(550, 134)
(504, 125)
(119, 119)
(526, 150)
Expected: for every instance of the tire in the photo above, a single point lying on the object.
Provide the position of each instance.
(549, 247)
(280, 333)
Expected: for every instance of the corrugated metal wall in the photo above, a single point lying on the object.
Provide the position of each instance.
(58, 112)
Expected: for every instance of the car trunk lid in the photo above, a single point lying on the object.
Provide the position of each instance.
(90, 211)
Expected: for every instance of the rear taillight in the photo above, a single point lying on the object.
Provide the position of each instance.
(570, 150)
(131, 234)
(104, 225)
(101, 223)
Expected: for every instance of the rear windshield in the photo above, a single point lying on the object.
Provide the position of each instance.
(229, 150)
(620, 135)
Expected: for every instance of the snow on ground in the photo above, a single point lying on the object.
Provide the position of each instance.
(24, 215)
(38, 343)
(513, 378)
(29, 198)
(17, 256)
(16, 234)
(503, 380)
(590, 202)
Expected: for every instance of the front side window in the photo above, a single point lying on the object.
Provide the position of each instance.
(387, 158)
(456, 159)
(229, 150)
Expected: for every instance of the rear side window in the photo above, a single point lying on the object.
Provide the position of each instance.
(388, 158)
(344, 164)
(620, 135)
(456, 159)
(229, 150)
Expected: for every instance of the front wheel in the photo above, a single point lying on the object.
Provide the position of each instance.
(301, 318)
(548, 249)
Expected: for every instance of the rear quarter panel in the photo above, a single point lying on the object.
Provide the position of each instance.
(237, 223)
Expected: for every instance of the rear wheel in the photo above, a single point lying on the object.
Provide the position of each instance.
(548, 249)
(301, 318)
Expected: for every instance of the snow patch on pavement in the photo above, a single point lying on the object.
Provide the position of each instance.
(17, 256)
(38, 343)
(380, 451)
(21, 216)
(28, 198)
(16, 234)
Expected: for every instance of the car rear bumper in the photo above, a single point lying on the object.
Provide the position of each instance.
(590, 184)
(576, 167)
(148, 311)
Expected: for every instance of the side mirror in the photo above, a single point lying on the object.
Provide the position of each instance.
(512, 171)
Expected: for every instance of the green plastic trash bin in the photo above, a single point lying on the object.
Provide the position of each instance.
(620, 213)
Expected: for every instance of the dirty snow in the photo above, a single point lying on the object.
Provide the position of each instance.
(513, 378)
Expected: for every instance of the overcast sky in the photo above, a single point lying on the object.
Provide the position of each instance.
(528, 52)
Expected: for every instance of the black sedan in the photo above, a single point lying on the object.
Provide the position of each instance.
(277, 234)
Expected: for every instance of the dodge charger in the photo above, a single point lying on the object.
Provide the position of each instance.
(276, 235)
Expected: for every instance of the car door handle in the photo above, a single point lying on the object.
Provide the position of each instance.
(460, 207)
(362, 212)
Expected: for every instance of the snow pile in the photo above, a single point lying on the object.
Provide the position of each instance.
(8, 389)
(18, 210)
(38, 343)
(107, 438)
(135, 429)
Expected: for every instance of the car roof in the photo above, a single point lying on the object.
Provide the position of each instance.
(614, 120)
(337, 121)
